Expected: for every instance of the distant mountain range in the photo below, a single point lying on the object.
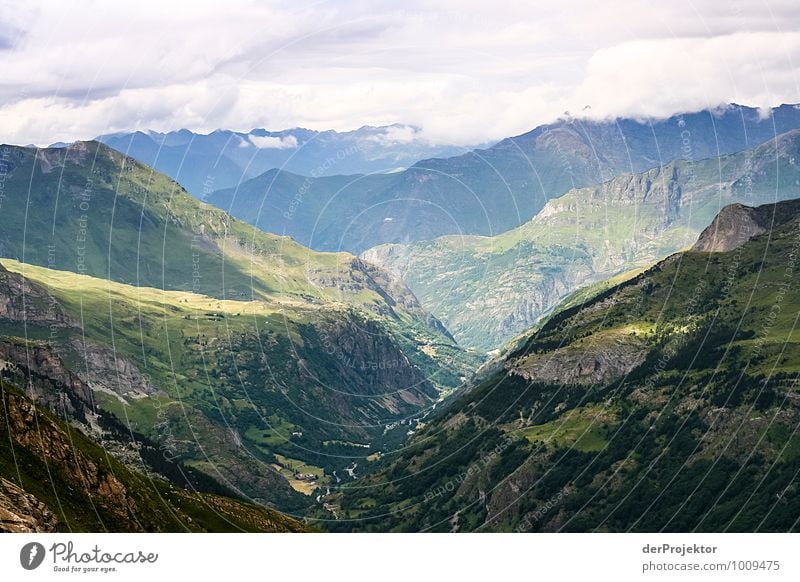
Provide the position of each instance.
(489, 191)
(486, 290)
(202, 163)
(667, 402)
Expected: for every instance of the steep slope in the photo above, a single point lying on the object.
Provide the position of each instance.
(225, 386)
(487, 290)
(227, 345)
(665, 403)
(53, 478)
(89, 210)
(221, 159)
(63, 369)
(488, 191)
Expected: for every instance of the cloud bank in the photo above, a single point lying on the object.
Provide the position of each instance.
(464, 72)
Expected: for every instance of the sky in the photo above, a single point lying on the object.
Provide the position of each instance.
(466, 71)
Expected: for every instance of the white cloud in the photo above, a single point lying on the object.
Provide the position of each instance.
(397, 134)
(274, 142)
(464, 72)
(655, 78)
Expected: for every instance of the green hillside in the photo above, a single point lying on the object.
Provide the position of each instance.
(91, 210)
(224, 344)
(665, 403)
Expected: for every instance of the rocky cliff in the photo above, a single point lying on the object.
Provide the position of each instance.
(46, 379)
(21, 512)
(52, 477)
(736, 224)
(24, 301)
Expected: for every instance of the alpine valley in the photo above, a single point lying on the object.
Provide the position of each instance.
(486, 290)
(258, 364)
(588, 327)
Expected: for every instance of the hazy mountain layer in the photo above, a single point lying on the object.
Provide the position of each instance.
(488, 191)
(486, 290)
(221, 159)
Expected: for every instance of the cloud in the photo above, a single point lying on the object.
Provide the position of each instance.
(661, 77)
(464, 72)
(277, 143)
(397, 134)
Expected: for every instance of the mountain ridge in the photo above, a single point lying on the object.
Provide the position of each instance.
(586, 235)
(689, 426)
(185, 321)
(223, 158)
(493, 190)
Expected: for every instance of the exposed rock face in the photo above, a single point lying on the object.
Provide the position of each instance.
(45, 377)
(86, 489)
(395, 292)
(736, 224)
(599, 359)
(21, 512)
(353, 376)
(53, 158)
(365, 275)
(104, 369)
(53, 444)
(366, 358)
(21, 300)
(391, 257)
(539, 299)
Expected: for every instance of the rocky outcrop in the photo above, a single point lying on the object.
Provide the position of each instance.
(45, 377)
(24, 301)
(539, 299)
(361, 275)
(21, 512)
(107, 370)
(391, 257)
(371, 364)
(24, 424)
(598, 359)
(71, 483)
(736, 224)
(396, 294)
